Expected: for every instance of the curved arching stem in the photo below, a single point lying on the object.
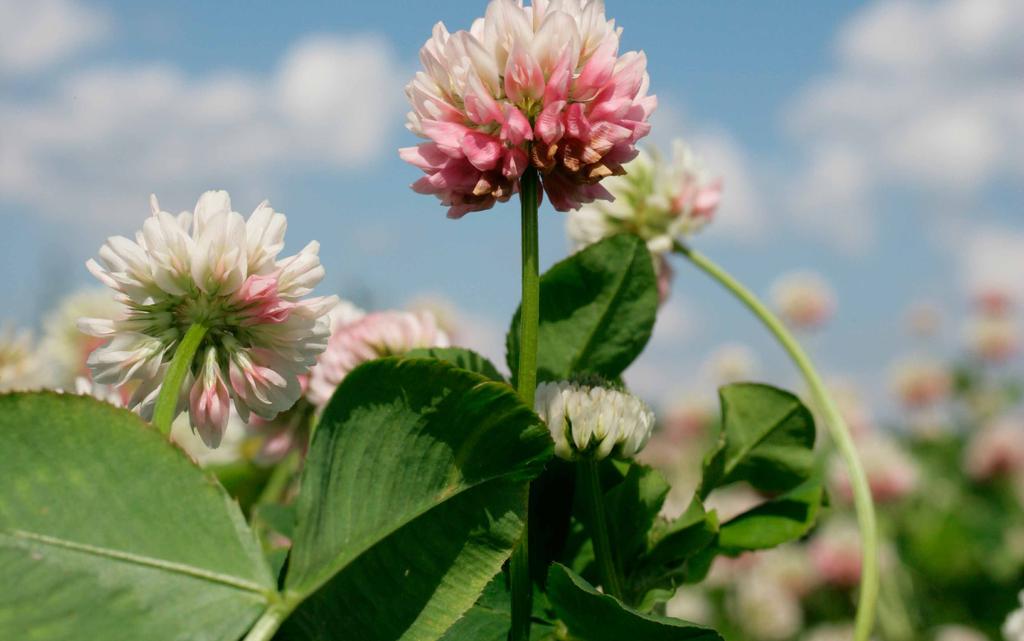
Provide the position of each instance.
(866, 519)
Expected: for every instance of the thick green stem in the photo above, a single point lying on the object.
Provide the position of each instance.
(526, 384)
(266, 626)
(167, 402)
(840, 433)
(607, 561)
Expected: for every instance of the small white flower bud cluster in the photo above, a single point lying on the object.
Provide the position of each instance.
(594, 422)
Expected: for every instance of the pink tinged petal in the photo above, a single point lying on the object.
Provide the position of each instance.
(482, 150)
(559, 79)
(608, 108)
(481, 107)
(597, 71)
(514, 164)
(707, 199)
(458, 211)
(549, 127)
(447, 134)
(576, 123)
(427, 156)
(209, 402)
(524, 78)
(425, 186)
(630, 74)
(484, 64)
(515, 128)
(557, 37)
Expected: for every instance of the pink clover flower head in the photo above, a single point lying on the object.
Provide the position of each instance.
(214, 267)
(804, 299)
(892, 474)
(372, 336)
(920, 382)
(997, 450)
(541, 85)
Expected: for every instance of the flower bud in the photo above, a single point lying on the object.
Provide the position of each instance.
(593, 422)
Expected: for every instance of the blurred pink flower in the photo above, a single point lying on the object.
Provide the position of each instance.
(542, 85)
(835, 552)
(995, 339)
(892, 473)
(803, 299)
(993, 300)
(920, 382)
(996, 450)
(372, 336)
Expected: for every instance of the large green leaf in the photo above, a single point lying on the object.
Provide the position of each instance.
(490, 618)
(412, 497)
(767, 439)
(461, 357)
(591, 616)
(784, 518)
(597, 311)
(107, 531)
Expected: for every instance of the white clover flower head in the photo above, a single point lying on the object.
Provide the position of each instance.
(65, 347)
(594, 422)
(213, 267)
(803, 299)
(1013, 628)
(372, 336)
(660, 201)
(21, 368)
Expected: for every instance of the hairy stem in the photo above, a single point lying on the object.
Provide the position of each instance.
(837, 427)
(526, 384)
(607, 563)
(167, 402)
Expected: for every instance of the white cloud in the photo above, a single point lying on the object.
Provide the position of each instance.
(107, 136)
(927, 96)
(35, 34)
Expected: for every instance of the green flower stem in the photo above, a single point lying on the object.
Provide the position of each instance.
(271, 619)
(607, 562)
(170, 390)
(863, 503)
(526, 385)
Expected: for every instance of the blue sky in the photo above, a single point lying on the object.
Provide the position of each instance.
(876, 143)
